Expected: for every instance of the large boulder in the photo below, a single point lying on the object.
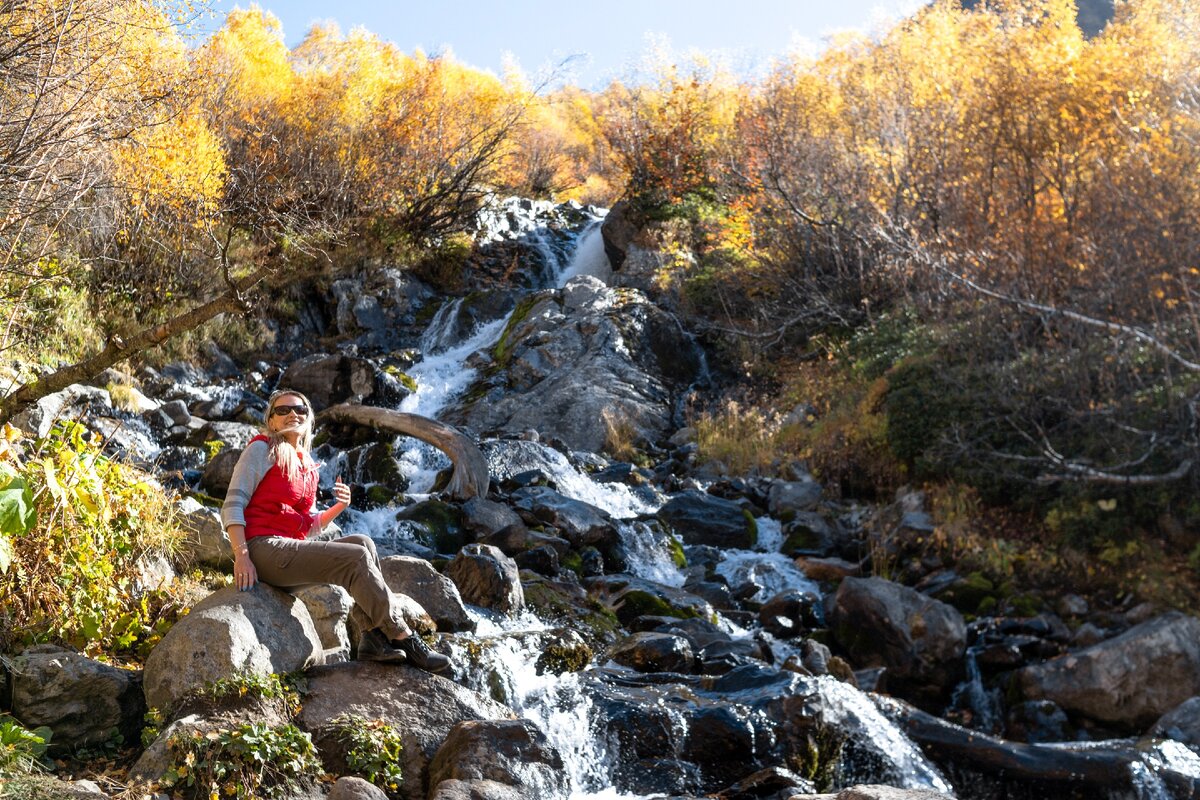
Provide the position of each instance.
(920, 641)
(581, 523)
(263, 631)
(488, 578)
(421, 706)
(437, 594)
(71, 402)
(327, 380)
(85, 703)
(587, 365)
(510, 752)
(654, 652)
(700, 518)
(1130, 680)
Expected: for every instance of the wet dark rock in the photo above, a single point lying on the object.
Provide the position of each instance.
(510, 752)
(775, 783)
(227, 403)
(565, 652)
(619, 229)
(791, 613)
(591, 563)
(654, 652)
(1182, 724)
(699, 518)
(808, 533)
(542, 559)
(920, 640)
(1037, 721)
(488, 578)
(85, 703)
(580, 523)
(439, 523)
(717, 594)
(373, 463)
(1130, 680)
(631, 597)
(231, 434)
(485, 517)
(511, 541)
(181, 459)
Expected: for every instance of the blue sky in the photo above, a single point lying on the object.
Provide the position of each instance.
(609, 35)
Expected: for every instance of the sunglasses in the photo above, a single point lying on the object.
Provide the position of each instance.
(279, 411)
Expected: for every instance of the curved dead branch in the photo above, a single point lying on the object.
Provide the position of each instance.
(470, 478)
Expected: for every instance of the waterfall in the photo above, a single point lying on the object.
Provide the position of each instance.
(589, 257)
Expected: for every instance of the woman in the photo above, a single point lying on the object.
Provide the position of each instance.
(269, 515)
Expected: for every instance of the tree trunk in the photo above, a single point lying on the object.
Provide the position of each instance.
(470, 478)
(119, 349)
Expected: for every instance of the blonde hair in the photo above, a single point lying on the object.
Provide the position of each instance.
(287, 456)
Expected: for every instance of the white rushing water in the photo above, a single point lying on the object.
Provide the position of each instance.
(589, 257)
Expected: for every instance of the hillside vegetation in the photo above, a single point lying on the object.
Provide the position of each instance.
(961, 253)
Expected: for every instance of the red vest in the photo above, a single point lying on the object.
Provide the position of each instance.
(282, 507)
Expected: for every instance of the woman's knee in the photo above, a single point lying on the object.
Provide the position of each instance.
(362, 541)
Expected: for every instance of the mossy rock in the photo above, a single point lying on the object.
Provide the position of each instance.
(572, 561)
(634, 603)
(752, 527)
(378, 495)
(1024, 605)
(441, 522)
(678, 557)
(597, 624)
(968, 594)
(560, 658)
(406, 380)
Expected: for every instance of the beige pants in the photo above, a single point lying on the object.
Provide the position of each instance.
(350, 562)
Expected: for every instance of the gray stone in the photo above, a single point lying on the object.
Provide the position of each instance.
(580, 523)
(206, 542)
(1131, 679)
(785, 496)
(700, 518)
(327, 380)
(329, 608)
(510, 752)
(437, 594)
(920, 640)
(84, 702)
(577, 373)
(39, 418)
(219, 472)
(488, 578)
(262, 631)
(351, 788)
(476, 790)
(235, 435)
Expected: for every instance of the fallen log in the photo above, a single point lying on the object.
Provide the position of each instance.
(470, 477)
(1102, 766)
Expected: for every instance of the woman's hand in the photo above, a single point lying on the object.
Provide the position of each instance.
(341, 492)
(244, 573)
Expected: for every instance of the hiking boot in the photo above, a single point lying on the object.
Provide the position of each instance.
(374, 646)
(419, 654)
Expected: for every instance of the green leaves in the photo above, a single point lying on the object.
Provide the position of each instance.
(17, 513)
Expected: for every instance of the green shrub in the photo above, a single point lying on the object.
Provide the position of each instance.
(373, 749)
(74, 525)
(250, 761)
(21, 750)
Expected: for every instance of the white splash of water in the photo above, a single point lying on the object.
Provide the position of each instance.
(589, 257)
(770, 535)
(650, 554)
(853, 711)
(773, 572)
(1146, 784)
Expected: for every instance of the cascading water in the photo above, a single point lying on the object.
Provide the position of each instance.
(509, 649)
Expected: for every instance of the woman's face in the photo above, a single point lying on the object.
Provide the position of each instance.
(293, 421)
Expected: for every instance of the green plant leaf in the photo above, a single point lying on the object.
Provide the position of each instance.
(17, 511)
